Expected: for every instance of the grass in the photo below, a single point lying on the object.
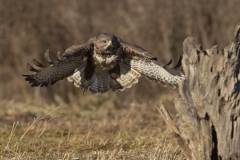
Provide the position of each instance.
(68, 132)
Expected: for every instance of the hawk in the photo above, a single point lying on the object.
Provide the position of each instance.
(104, 63)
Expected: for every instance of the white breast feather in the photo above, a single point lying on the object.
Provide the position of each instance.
(106, 60)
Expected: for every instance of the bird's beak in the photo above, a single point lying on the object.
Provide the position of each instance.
(109, 43)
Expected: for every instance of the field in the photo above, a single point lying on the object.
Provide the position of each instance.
(95, 130)
(61, 122)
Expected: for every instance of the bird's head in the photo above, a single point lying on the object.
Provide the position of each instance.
(106, 43)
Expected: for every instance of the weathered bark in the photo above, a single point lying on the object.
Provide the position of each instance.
(207, 123)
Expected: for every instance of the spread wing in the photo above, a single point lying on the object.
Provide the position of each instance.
(149, 66)
(62, 68)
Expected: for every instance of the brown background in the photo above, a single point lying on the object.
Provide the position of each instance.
(29, 28)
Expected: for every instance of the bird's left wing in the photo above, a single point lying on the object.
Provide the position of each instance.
(147, 65)
(62, 68)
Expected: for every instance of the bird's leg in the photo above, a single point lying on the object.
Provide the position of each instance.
(114, 73)
(89, 71)
(112, 85)
(86, 86)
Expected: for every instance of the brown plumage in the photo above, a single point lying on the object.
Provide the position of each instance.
(104, 63)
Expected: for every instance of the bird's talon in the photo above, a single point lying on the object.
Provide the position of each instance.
(86, 87)
(112, 85)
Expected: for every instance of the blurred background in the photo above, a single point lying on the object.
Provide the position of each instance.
(29, 28)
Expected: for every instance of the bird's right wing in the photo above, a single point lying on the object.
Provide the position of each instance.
(79, 50)
(62, 68)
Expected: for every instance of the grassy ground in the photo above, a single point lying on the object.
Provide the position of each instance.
(84, 132)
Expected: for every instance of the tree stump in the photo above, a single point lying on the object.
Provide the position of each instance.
(207, 123)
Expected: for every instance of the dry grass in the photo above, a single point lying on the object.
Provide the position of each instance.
(51, 132)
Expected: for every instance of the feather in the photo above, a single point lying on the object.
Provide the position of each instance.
(102, 84)
(94, 84)
(50, 74)
(78, 78)
(31, 68)
(153, 71)
(78, 50)
(147, 65)
(179, 63)
(128, 76)
(48, 58)
(38, 63)
(59, 58)
(168, 63)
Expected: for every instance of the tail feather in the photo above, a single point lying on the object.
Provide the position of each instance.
(94, 84)
(102, 84)
(97, 84)
(106, 80)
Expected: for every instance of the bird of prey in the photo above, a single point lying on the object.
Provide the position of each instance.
(104, 63)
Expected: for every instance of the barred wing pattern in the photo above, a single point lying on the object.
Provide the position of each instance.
(148, 65)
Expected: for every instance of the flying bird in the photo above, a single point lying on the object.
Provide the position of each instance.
(104, 63)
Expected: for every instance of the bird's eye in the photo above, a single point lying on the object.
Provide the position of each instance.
(104, 41)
